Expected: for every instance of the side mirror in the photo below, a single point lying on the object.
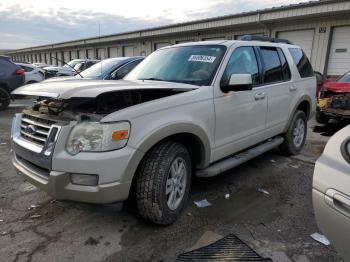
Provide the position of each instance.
(238, 82)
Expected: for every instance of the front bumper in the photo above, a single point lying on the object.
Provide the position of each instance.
(59, 186)
(115, 170)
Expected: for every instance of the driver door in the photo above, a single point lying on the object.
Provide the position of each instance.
(240, 115)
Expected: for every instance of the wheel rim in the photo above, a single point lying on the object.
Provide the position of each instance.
(298, 133)
(176, 183)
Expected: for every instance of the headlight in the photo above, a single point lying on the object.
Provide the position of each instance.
(97, 137)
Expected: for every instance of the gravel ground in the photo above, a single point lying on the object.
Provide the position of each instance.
(35, 227)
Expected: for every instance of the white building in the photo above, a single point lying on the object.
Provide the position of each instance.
(321, 28)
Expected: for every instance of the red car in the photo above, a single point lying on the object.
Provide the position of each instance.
(334, 100)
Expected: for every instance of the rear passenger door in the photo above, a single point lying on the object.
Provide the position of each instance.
(276, 78)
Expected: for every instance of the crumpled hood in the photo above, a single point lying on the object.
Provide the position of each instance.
(337, 87)
(92, 88)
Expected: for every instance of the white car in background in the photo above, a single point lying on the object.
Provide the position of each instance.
(331, 191)
(41, 65)
(67, 69)
(32, 73)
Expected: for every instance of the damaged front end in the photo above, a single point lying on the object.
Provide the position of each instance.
(334, 103)
(94, 109)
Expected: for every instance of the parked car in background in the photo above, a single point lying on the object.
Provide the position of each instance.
(334, 100)
(331, 191)
(67, 69)
(33, 74)
(190, 109)
(41, 65)
(80, 67)
(108, 69)
(11, 77)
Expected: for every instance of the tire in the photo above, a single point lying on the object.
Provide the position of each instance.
(5, 99)
(156, 176)
(294, 138)
(321, 118)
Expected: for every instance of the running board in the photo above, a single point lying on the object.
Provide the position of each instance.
(240, 158)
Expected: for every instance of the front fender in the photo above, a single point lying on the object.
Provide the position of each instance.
(147, 142)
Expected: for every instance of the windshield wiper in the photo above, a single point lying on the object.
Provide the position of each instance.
(152, 78)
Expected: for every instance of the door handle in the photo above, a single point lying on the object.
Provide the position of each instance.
(259, 96)
(342, 203)
(338, 201)
(292, 88)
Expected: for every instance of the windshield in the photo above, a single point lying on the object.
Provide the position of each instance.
(345, 78)
(98, 69)
(72, 63)
(194, 65)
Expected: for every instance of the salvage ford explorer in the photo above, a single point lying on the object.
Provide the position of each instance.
(189, 109)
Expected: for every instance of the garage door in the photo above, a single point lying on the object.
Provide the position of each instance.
(302, 38)
(90, 53)
(81, 53)
(128, 50)
(101, 53)
(160, 45)
(66, 56)
(339, 54)
(113, 52)
(73, 54)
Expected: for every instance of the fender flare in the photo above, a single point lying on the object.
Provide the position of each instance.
(163, 132)
(301, 99)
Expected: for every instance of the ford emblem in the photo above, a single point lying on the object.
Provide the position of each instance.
(30, 129)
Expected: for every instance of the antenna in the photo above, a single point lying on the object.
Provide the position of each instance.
(99, 40)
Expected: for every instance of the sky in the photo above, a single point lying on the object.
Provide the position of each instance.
(37, 22)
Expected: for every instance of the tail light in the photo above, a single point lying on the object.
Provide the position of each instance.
(20, 71)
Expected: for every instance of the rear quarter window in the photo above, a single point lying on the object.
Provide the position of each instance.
(302, 62)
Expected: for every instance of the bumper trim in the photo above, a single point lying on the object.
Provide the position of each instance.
(58, 185)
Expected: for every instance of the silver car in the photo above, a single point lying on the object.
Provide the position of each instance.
(331, 191)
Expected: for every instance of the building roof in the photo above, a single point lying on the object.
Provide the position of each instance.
(172, 28)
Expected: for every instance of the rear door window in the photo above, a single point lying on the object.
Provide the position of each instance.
(272, 67)
(285, 67)
(302, 62)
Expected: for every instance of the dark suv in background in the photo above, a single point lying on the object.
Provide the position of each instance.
(11, 77)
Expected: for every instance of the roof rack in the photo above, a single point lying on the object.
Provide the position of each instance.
(265, 39)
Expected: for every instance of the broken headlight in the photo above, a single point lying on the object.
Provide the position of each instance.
(97, 137)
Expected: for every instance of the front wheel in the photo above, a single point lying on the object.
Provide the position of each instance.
(294, 138)
(163, 183)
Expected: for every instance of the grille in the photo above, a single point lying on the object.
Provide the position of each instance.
(33, 168)
(230, 248)
(35, 129)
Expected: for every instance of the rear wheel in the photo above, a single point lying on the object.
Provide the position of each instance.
(294, 138)
(163, 183)
(5, 99)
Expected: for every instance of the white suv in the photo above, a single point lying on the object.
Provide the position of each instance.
(189, 109)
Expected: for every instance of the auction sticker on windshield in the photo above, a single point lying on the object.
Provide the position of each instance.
(202, 58)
